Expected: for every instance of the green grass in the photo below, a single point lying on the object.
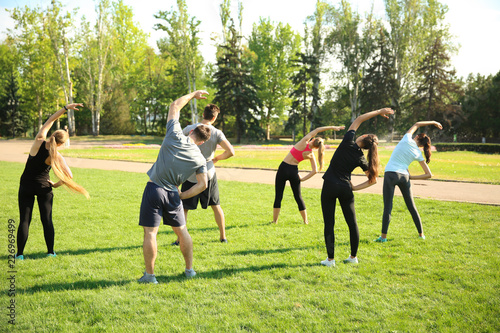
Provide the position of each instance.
(457, 166)
(266, 279)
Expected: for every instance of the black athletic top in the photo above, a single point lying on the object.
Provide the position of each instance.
(347, 157)
(36, 172)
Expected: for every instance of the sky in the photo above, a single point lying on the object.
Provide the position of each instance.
(475, 24)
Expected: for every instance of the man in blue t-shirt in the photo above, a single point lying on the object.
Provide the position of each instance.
(178, 158)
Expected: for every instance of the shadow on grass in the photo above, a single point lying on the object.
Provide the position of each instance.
(225, 272)
(267, 251)
(77, 285)
(43, 255)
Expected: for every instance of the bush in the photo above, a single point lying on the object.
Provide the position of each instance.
(490, 148)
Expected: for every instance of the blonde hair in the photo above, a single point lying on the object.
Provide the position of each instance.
(320, 144)
(59, 137)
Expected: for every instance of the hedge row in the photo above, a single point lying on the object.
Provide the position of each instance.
(491, 148)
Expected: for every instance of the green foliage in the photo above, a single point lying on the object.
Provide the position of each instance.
(489, 148)
(266, 279)
(275, 48)
(236, 90)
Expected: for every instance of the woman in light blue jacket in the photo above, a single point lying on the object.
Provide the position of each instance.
(396, 174)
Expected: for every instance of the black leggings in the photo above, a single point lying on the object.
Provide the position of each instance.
(391, 180)
(26, 197)
(290, 173)
(329, 195)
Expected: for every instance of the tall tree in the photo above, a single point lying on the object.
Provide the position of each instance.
(438, 94)
(379, 82)
(413, 24)
(353, 44)
(59, 25)
(237, 92)
(183, 36)
(275, 48)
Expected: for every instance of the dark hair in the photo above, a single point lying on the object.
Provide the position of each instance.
(370, 142)
(320, 144)
(424, 141)
(211, 110)
(202, 133)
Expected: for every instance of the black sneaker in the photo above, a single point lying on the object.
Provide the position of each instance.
(223, 240)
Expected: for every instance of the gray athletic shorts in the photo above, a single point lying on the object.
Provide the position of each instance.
(209, 197)
(157, 203)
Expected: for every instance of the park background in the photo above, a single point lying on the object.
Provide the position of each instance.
(280, 74)
(272, 82)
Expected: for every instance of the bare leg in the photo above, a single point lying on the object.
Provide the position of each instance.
(220, 220)
(149, 248)
(276, 214)
(303, 213)
(186, 245)
(185, 218)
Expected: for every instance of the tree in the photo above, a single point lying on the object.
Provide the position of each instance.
(303, 90)
(379, 83)
(237, 92)
(184, 47)
(38, 81)
(438, 94)
(275, 49)
(352, 45)
(58, 27)
(413, 24)
(12, 120)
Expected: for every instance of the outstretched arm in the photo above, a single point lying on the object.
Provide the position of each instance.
(423, 123)
(314, 132)
(358, 121)
(228, 151)
(178, 104)
(42, 133)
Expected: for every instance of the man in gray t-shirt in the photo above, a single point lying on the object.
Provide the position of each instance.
(178, 158)
(210, 196)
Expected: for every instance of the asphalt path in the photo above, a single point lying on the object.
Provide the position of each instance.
(17, 151)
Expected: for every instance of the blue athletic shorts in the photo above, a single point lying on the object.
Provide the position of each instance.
(209, 197)
(157, 203)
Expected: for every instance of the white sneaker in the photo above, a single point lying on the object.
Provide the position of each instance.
(329, 263)
(350, 260)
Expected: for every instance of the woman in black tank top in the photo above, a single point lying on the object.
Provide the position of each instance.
(35, 181)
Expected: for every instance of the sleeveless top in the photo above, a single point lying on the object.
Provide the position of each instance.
(36, 172)
(297, 154)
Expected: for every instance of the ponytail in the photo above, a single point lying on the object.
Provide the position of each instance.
(370, 142)
(60, 137)
(320, 144)
(424, 141)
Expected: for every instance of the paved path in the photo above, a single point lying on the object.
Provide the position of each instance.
(16, 151)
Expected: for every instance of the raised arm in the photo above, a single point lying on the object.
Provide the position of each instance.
(42, 133)
(200, 186)
(358, 121)
(423, 123)
(228, 151)
(314, 132)
(178, 104)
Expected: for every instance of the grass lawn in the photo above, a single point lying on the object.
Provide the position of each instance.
(266, 279)
(457, 166)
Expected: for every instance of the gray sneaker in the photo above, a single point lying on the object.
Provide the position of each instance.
(148, 278)
(329, 263)
(350, 260)
(190, 273)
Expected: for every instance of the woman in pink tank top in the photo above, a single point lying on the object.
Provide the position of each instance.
(289, 170)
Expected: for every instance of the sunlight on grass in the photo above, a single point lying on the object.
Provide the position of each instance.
(266, 279)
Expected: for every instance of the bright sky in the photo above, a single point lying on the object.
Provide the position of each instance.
(475, 24)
